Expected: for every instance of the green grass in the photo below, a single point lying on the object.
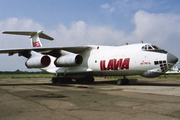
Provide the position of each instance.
(169, 76)
(51, 75)
(26, 75)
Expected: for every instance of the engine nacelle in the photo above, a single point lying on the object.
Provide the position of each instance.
(39, 61)
(68, 60)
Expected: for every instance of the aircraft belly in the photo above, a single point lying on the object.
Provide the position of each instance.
(99, 73)
(117, 73)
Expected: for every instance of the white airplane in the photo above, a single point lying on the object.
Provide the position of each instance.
(81, 63)
(173, 70)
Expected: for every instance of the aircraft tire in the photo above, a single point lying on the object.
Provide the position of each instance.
(90, 79)
(54, 80)
(122, 81)
(79, 81)
(65, 80)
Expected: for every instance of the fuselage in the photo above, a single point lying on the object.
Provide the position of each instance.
(137, 59)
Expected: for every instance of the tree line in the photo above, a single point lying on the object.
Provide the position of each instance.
(23, 72)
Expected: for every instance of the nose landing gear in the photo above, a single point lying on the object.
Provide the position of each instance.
(126, 81)
(123, 81)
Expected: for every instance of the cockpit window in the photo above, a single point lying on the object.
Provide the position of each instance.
(150, 47)
(155, 47)
(146, 47)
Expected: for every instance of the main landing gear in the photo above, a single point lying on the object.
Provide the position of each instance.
(88, 79)
(123, 81)
(126, 81)
(60, 80)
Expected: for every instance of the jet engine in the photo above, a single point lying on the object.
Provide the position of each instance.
(68, 60)
(39, 61)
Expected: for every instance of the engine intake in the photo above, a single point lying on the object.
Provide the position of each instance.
(68, 60)
(38, 62)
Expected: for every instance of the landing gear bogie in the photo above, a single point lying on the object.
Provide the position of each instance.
(89, 79)
(123, 81)
(56, 80)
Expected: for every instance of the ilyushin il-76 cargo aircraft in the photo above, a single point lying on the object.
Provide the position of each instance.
(81, 63)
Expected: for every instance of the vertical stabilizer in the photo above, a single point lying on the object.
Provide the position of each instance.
(35, 41)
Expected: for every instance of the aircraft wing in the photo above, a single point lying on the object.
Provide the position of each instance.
(46, 50)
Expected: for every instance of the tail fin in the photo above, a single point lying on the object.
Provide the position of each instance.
(34, 36)
(35, 39)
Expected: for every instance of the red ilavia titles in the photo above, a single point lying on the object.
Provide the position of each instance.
(115, 64)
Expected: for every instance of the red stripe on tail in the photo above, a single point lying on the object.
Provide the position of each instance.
(36, 44)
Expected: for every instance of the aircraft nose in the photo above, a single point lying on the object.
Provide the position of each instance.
(171, 58)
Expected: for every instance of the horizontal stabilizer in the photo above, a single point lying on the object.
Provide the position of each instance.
(30, 33)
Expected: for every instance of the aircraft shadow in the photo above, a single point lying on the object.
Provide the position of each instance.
(111, 82)
(141, 83)
(157, 84)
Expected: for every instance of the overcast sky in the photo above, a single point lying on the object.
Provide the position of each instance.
(84, 22)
